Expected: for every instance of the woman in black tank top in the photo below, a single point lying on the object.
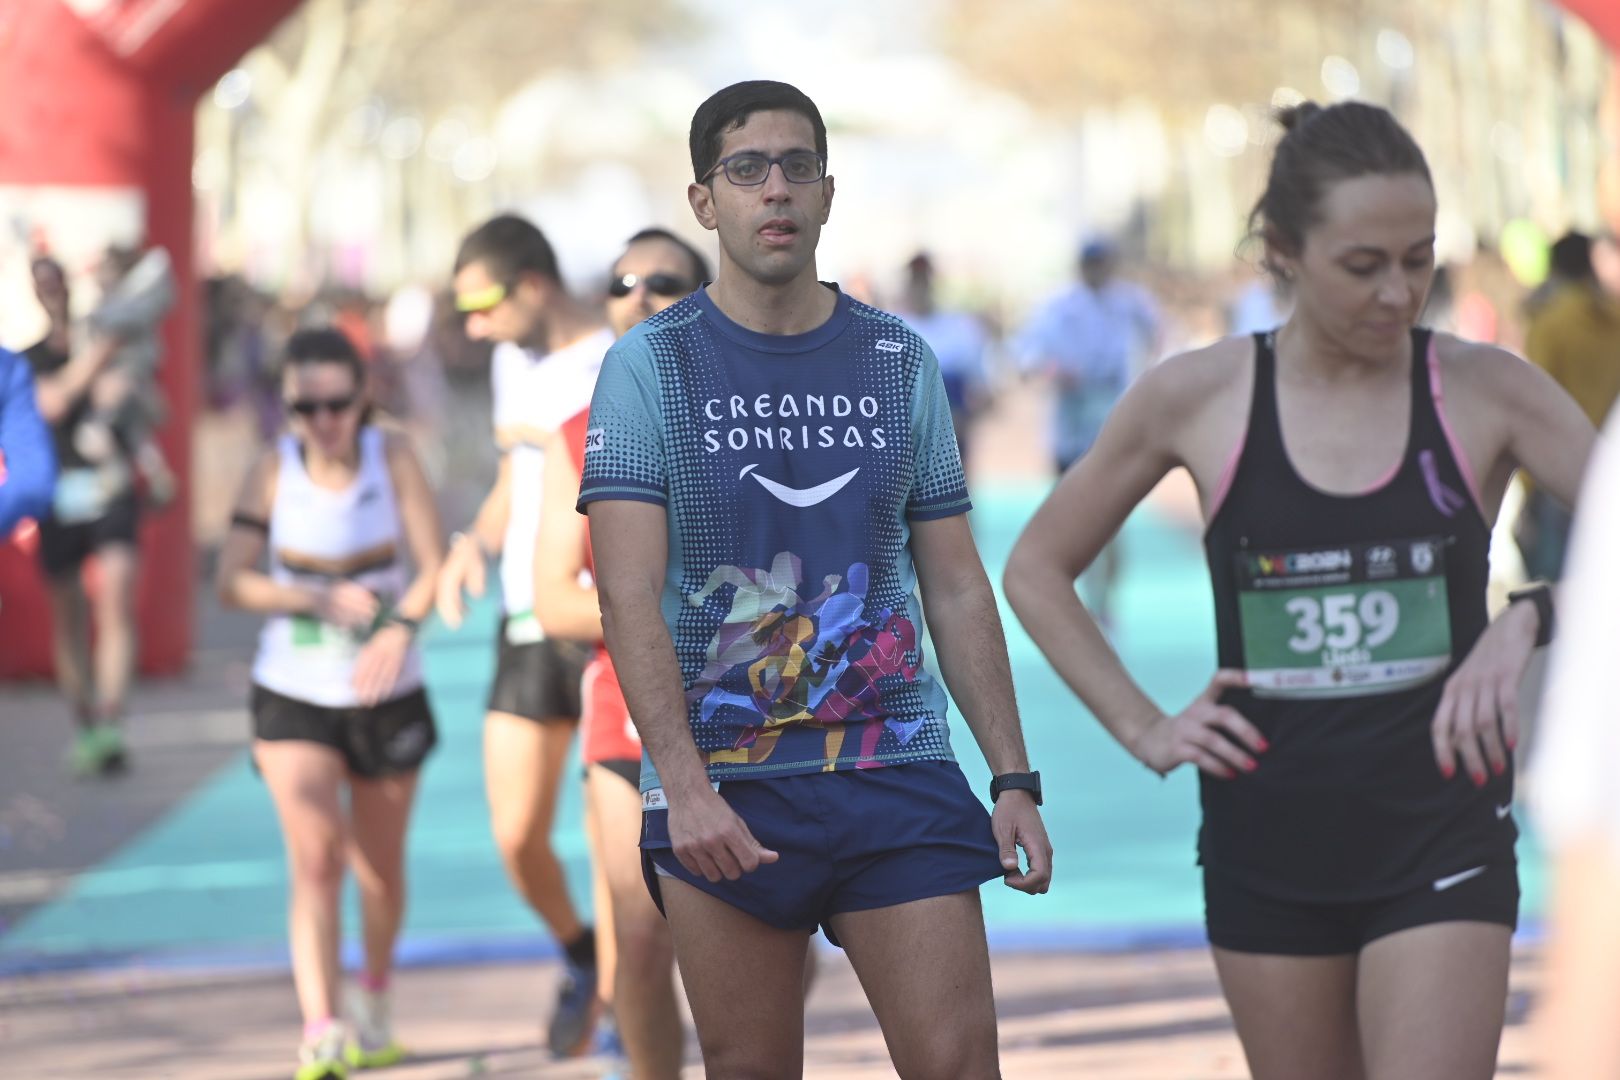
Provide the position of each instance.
(1355, 747)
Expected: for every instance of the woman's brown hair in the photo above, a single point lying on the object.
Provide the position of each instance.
(1322, 146)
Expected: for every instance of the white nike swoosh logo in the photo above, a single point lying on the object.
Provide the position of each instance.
(1442, 884)
(801, 496)
(1503, 811)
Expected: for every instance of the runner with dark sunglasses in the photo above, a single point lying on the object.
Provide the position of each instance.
(341, 723)
(634, 953)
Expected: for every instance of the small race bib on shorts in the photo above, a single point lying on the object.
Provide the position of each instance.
(1344, 621)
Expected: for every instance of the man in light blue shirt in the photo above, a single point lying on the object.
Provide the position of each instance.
(1090, 340)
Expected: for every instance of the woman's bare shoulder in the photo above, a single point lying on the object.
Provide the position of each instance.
(1187, 383)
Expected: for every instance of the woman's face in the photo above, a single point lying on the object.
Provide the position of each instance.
(1364, 269)
(323, 401)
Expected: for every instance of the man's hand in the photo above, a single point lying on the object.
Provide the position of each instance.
(1016, 823)
(463, 569)
(710, 839)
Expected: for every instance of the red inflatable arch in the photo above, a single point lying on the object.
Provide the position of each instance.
(99, 98)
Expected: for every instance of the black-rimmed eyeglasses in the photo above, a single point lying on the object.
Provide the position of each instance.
(750, 169)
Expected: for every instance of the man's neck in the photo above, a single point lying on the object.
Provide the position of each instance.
(796, 307)
(566, 322)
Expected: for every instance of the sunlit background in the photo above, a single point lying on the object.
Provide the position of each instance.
(338, 163)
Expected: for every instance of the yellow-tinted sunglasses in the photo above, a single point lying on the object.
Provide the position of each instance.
(481, 300)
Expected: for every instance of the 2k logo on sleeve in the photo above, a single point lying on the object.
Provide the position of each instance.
(594, 440)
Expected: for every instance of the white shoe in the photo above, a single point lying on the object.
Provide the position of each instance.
(371, 1044)
(321, 1058)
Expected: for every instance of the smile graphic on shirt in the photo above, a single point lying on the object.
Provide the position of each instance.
(809, 496)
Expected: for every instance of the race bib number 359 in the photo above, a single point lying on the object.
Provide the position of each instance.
(1344, 621)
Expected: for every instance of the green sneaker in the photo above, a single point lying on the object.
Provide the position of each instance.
(98, 751)
(371, 1042)
(114, 759)
(84, 756)
(321, 1058)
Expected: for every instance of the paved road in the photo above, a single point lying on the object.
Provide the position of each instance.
(52, 827)
(1134, 1016)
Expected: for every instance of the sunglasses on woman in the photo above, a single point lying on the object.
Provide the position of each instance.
(308, 407)
(657, 284)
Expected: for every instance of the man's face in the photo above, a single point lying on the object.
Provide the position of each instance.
(1097, 270)
(767, 232)
(498, 310)
(653, 275)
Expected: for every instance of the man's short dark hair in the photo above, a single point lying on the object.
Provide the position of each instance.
(508, 245)
(700, 265)
(730, 109)
(1571, 257)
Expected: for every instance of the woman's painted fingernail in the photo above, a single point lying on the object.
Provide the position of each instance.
(1264, 746)
(1448, 771)
(1479, 779)
(1250, 766)
(1498, 769)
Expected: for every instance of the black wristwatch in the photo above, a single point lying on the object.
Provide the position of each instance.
(1016, 781)
(411, 625)
(1539, 594)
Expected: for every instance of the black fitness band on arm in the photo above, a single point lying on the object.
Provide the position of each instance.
(1540, 594)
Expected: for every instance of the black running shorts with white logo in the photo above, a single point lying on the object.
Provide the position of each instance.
(1241, 918)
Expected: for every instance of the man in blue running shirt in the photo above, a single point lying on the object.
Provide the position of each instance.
(771, 475)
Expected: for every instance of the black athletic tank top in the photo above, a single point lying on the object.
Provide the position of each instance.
(1348, 611)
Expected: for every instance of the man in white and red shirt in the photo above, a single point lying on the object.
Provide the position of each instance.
(548, 349)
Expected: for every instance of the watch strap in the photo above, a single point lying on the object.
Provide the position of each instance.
(1539, 594)
(1028, 781)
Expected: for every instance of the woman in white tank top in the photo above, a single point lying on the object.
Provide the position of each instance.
(339, 509)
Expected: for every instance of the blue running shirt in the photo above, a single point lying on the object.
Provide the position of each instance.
(791, 468)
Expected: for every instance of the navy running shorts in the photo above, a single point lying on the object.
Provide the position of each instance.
(853, 840)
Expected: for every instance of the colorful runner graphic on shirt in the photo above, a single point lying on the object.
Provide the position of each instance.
(786, 661)
(792, 470)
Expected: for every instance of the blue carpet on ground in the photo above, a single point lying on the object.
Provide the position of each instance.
(206, 883)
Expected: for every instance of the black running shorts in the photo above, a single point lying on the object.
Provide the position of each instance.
(1244, 919)
(624, 768)
(387, 739)
(64, 548)
(538, 680)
